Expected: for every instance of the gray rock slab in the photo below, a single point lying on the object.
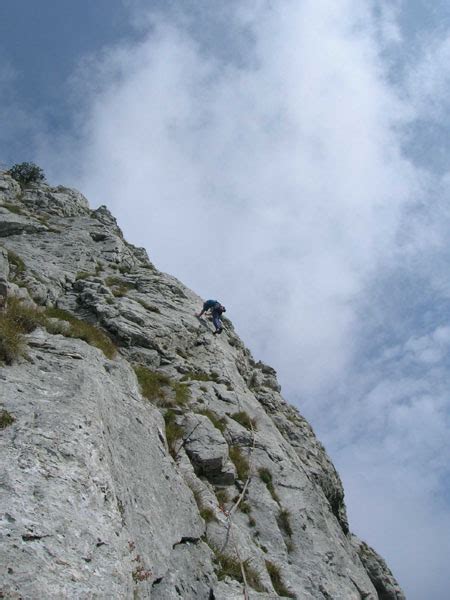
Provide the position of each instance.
(92, 505)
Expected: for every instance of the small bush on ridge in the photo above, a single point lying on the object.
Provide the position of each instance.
(26, 172)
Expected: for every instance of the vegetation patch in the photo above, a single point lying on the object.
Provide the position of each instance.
(26, 172)
(18, 264)
(229, 566)
(6, 419)
(244, 419)
(240, 462)
(245, 507)
(113, 280)
(284, 521)
(83, 275)
(153, 384)
(201, 376)
(149, 307)
(222, 496)
(13, 208)
(277, 581)
(174, 432)
(266, 477)
(219, 423)
(82, 330)
(207, 514)
(160, 389)
(17, 320)
(124, 269)
(182, 393)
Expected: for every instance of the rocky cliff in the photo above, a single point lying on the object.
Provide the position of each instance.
(143, 457)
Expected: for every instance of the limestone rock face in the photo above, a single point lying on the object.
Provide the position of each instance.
(168, 470)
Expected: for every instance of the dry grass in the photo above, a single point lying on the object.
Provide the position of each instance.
(219, 423)
(277, 582)
(244, 419)
(18, 319)
(174, 432)
(160, 389)
(266, 477)
(82, 330)
(240, 462)
(229, 566)
(284, 521)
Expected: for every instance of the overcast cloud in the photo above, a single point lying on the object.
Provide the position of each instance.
(272, 155)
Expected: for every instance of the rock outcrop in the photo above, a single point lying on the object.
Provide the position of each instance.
(143, 457)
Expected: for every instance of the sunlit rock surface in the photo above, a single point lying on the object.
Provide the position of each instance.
(96, 502)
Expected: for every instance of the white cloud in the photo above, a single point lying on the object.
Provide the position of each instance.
(275, 181)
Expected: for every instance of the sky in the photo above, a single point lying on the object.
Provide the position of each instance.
(289, 158)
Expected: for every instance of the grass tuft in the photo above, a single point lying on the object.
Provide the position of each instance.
(83, 275)
(219, 423)
(266, 477)
(240, 462)
(207, 514)
(182, 393)
(244, 419)
(83, 330)
(222, 497)
(284, 521)
(174, 432)
(13, 208)
(153, 384)
(16, 320)
(160, 389)
(277, 582)
(6, 419)
(149, 307)
(229, 566)
(200, 376)
(18, 264)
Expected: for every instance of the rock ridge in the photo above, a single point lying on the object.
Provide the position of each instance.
(143, 457)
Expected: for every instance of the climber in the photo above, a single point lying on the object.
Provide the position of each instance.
(216, 311)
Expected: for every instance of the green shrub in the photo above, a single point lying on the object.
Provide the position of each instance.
(6, 419)
(277, 582)
(240, 462)
(266, 477)
(84, 331)
(219, 423)
(244, 419)
(174, 432)
(26, 172)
